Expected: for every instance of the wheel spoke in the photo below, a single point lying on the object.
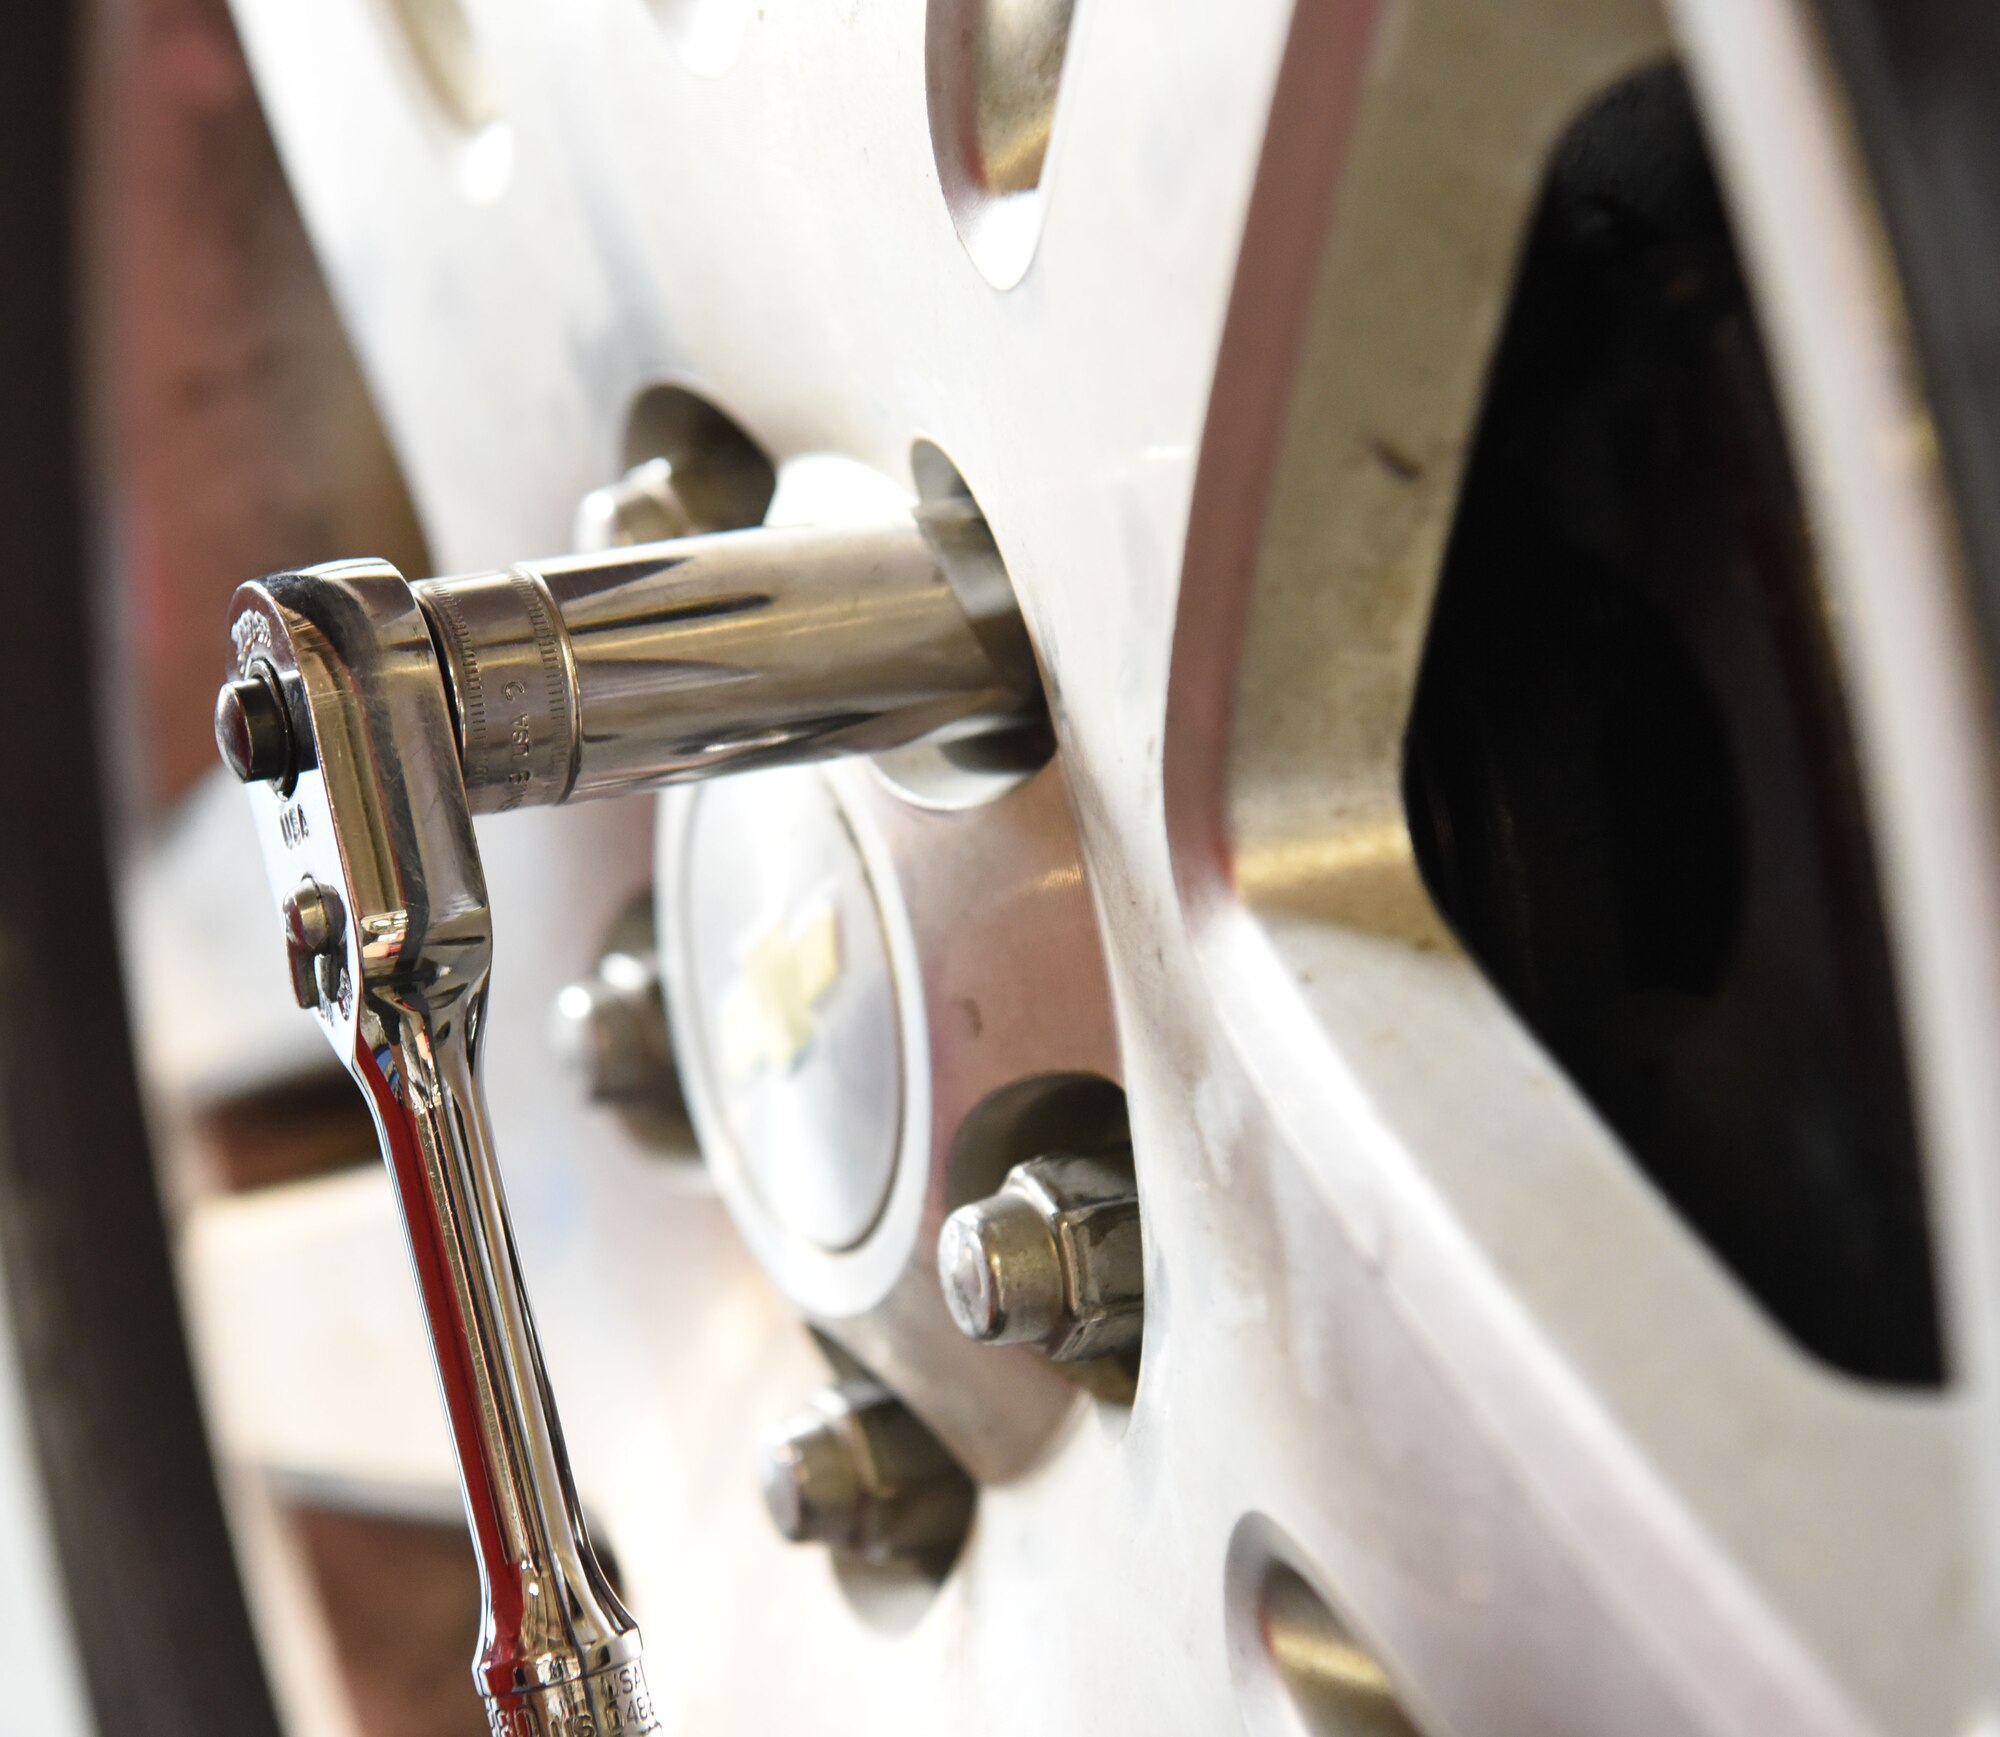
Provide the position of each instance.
(1675, 1443)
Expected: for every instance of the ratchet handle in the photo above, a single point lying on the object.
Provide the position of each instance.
(559, 1656)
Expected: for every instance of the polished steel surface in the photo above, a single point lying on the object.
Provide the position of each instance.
(1054, 1260)
(599, 674)
(372, 859)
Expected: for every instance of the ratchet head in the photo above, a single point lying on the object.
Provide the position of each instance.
(336, 719)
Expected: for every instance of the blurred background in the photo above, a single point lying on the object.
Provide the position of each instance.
(225, 430)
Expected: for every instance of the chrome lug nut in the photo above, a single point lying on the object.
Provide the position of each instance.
(855, 1470)
(1052, 1260)
(1001, 1266)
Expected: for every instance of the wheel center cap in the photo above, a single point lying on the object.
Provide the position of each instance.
(799, 1038)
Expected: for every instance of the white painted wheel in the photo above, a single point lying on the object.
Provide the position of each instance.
(1444, 1394)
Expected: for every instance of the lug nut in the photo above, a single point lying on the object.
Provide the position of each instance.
(1053, 1260)
(856, 1471)
(315, 923)
(643, 506)
(252, 731)
(611, 1029)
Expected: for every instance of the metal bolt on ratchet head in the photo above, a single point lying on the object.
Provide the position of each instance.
(315, 925)
(251, 729)
(369, 719)
(1052, 1260)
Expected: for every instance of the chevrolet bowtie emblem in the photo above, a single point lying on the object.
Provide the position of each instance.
(767, 1013)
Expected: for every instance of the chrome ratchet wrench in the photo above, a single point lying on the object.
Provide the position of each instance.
(370, 719)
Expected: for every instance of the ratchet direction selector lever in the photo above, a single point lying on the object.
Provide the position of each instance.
(370, 719)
